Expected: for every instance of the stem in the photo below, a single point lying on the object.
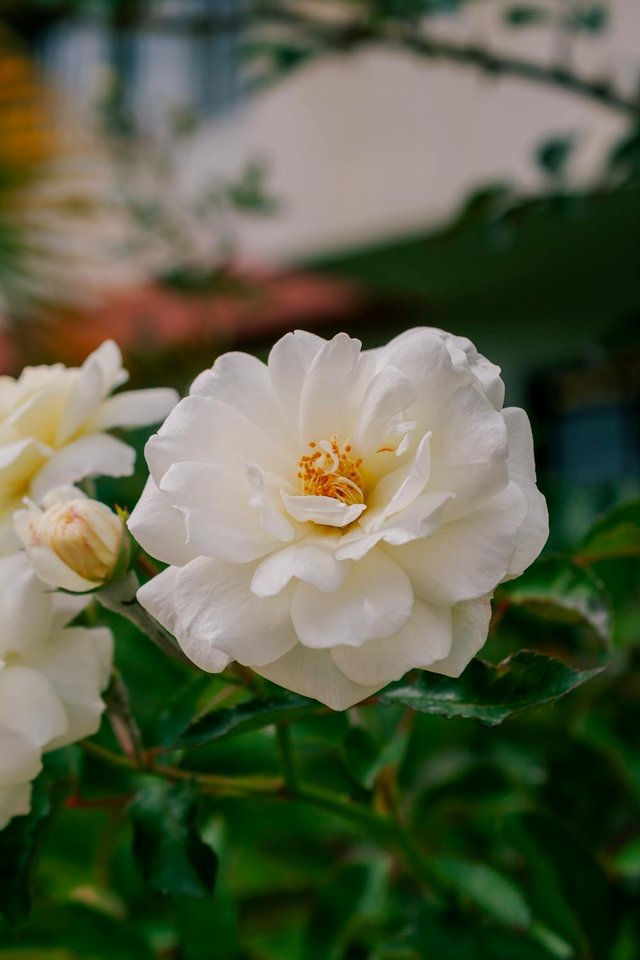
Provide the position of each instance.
(123, 723)
(381, 829)
(283, 732)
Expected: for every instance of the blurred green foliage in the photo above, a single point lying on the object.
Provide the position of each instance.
(382, 833)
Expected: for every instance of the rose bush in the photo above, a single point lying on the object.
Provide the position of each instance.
(337, 517)
(53, 423)
(51, 677)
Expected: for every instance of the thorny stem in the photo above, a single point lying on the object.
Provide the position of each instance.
(123, 723)
(381, 829)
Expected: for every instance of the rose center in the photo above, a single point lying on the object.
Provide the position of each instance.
(331, 471)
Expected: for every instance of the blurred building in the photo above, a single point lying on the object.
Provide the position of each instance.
(382, 160)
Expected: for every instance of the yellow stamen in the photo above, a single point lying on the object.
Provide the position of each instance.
(331, 472)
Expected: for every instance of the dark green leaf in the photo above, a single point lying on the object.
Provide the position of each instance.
(461, 936)
(335, 910)
(247, 716)
(567, 887)
(525, 16)
(615, 535)
(366, 757)
(487, 888)
(487, 692)
(166, 843)
(553, 155)
(627, 861)
(562, 591)
(19, 843)
(189, 701)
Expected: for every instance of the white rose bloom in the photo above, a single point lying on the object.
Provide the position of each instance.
(52, 427)
(338, 517)
(51, 676)
(72, 542)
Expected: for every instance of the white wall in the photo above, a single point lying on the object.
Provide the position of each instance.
(378, 143)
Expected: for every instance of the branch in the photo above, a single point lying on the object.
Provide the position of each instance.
(346, 37)
(380, 829)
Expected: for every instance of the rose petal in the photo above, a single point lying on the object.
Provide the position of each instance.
(333, 389)
(313, 561)
(419, 520)
(265, 498)
(289, 363)
(25, 606)
(74, 663)
(92, 456)
(135, 408)
(217, 516)
(158, 597)
(312, 673)
(14, 802)
(204, 430)
(217, 611)
(425, 638)
(159, 527)
(326, 511)
(19, 758)
(534, 531)
(374, 601)
(466, 558)
(387, 398)
(242, 382)
(470, 626)
(30, 705)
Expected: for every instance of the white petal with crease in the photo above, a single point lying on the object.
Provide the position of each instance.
(374, 601)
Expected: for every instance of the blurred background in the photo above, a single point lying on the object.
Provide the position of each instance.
(193, 176)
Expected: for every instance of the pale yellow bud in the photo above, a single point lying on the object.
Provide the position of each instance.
(84, 534)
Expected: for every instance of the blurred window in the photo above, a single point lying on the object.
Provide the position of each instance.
(163, 61)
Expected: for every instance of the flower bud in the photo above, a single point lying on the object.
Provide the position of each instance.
(74, 543)
(86, 536)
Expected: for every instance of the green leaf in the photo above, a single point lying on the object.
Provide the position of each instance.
(554, 154)
(453, 935)
(166, 844)
(188, 702)
(525, 16)
(247, 716)
(366, 756)
(336, 909)
(19, 844)
(487, 888)
(568, 889)
(626, 862)
(560, 590)
(487, 692)
(615, 535)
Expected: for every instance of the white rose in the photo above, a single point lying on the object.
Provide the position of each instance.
(72, 542)
(52, 427)
(337, 517)
(51, 676)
